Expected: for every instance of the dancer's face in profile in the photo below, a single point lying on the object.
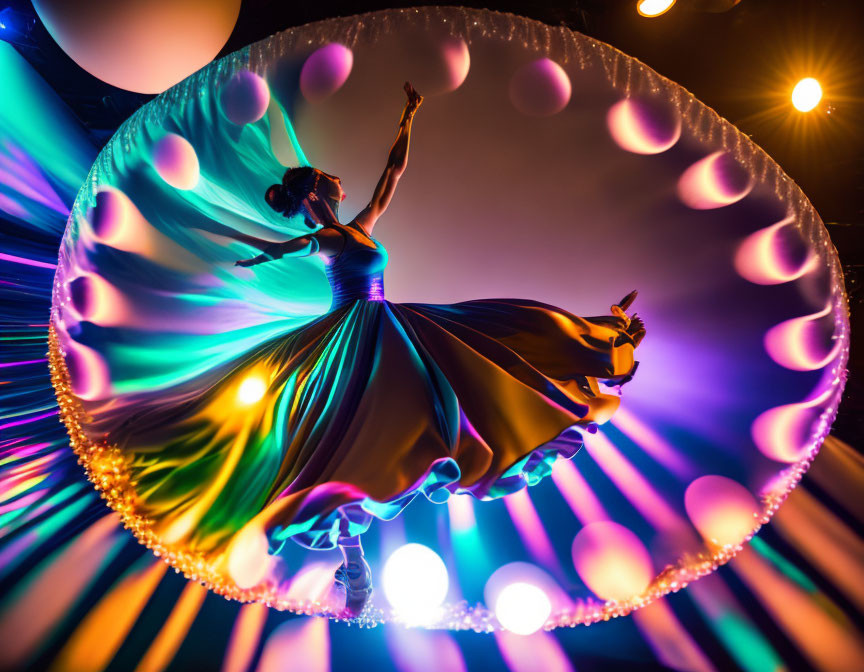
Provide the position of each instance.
(330, 190)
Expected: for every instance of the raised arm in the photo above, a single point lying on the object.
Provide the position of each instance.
(396, 163)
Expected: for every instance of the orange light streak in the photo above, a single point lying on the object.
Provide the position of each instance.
(297, 646)
(669, 640)
(245, 637)
(172, 634)
(40, 604)
(830, 645)
(832, 547)
(99, 636)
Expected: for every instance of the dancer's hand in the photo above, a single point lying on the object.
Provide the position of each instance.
(414, 98)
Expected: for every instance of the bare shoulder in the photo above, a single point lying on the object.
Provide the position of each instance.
(331, 239)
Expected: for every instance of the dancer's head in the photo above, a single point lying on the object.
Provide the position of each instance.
(298, 183)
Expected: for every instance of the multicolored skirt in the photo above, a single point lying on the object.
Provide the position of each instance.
(314, 433)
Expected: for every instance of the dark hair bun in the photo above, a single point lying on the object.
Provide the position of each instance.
(276, 197)
(297, 184)
(281, 199)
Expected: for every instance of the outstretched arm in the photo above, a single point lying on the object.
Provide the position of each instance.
(396, 163)
(327, 241)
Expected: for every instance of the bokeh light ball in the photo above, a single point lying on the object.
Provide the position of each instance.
(540, 88)
(612, 561)
(175, 160)
(325, 71)
(140, 46)
(415, 581)
(721, 509)
(522, 608)
(643, 127)
(438, 64)
(714, 182)
(244, 98)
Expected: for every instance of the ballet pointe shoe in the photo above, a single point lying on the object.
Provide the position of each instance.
(628, 300)
(355, 576)
(356, 579)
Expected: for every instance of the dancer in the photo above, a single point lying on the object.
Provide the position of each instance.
(390, 400)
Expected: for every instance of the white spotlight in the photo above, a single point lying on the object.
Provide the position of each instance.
(806, 94)
(652, 8)
(522, 608)
(251, 390)
(415, 582)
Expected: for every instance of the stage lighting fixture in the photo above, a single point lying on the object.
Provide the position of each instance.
(652, 8)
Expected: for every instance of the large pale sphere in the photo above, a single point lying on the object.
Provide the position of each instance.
(144, 46)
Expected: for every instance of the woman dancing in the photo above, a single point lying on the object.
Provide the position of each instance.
(385, 401)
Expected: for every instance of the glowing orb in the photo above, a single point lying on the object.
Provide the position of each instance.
(803, 343)
(88, 372)
(175, 160)
(806, 94)
(785, 433)
(723, 510)
(245, 98)
(248, 560)
(652, 8)
(642, 127)
(766, 257)
(612, 561)
(522, 608)
(140, 46)
(540, 88)
(415, 582)
(714, 182)
(97, 301)
(325, 71)
(438, 64)
(251, 390)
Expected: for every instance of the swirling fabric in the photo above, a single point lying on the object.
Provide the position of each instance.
(311, 434)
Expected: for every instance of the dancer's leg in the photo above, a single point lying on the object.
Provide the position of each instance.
(355, 574)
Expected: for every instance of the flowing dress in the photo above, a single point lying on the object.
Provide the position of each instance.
(316, 432)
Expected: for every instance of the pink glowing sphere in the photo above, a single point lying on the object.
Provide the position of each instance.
(108, 218)
(612, 561)
(244, 98)
(325, 71)
(88, 373)
(723, 510)
(176, 162)
(714, 182)
(804, 343)
(643, 127)
(441, 66)
(540, 88)
(784, 433)
(248, 561)
(763, 257)
(140, 46)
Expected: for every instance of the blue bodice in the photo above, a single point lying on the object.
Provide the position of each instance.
(358, 272)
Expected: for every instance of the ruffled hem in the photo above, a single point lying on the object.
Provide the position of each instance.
(440, 481)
